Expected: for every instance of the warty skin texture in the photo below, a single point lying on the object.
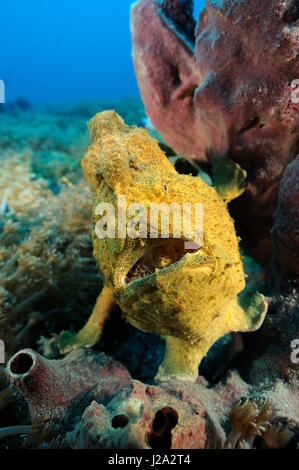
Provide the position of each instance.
(189, 298)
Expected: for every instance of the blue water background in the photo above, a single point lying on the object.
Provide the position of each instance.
(67, 50)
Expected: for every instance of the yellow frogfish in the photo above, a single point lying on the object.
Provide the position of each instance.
(187, 286)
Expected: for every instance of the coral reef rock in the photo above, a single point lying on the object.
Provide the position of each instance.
(285, 232)
(89, 401)
(53, 387)
(267, 356)
(225, 89)
(145, 416)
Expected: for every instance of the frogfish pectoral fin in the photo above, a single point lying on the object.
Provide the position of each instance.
(255, 308)
(229, 179)
(246, 312)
